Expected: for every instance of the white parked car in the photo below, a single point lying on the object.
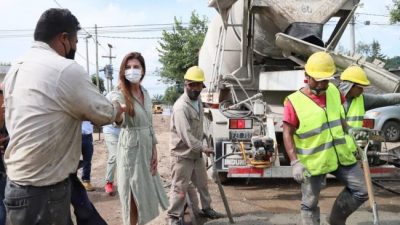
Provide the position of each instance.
(386, 119)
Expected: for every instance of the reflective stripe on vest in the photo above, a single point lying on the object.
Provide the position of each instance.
(321, 147)
(320, 140)
(355, 114)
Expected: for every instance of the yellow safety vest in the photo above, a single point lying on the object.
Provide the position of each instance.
(355, 114)
(321, 144)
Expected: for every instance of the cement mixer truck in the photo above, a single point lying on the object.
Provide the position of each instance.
(253, 57)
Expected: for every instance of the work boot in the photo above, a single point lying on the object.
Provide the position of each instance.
(211, 213)
(309, 217)
(88, 186)
(109, 188)
(343, 207)
(172, 220)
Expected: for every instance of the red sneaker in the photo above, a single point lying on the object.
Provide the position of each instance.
(109, 188)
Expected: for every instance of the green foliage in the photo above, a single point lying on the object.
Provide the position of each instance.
(101, 83)
(363, 49)
(376, 51)
(373, 51)
(178, 49)
(342, 50)
(395, 12)
(171, 95)
(393, 63)
(370, 51)
(157, 99)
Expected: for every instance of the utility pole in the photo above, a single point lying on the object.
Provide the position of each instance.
(352, 36)
(97, 58)
(87, 53)
(108, 69)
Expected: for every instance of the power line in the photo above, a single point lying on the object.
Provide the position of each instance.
(372, 14)
(149, 27)
(87, 33)
(135, 38)
(139, 25)
(358, 22)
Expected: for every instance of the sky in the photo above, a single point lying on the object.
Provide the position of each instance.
(134, 25)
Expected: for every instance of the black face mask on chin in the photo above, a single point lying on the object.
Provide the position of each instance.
(317, 91)
(71, 53)
(193, 95)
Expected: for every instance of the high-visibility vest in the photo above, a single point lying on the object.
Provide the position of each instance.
(321, 144)
(356, 111)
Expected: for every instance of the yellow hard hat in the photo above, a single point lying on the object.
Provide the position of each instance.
(356, 75)
(194, 73)
(320, 66)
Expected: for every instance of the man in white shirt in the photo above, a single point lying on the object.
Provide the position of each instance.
(47, 95)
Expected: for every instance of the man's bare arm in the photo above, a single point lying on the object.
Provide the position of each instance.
(288, 131)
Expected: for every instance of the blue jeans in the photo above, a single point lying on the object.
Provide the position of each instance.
(85, 212)
(3, 215)
(87, 154)
(351, 176)
(29, 205)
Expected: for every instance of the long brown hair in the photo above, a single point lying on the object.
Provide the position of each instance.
(125, 84)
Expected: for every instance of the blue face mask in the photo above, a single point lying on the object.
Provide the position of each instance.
(133, 75)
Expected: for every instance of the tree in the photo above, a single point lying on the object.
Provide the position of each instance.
(178, 49)
(370, 51)
(101, 83)
(5, 64)
(363, 49)
(395, 12)
(376, 51)
(393, 63)
(342, 50)
(171, 95)
(157, 99)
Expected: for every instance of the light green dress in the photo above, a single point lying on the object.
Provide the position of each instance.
(135, 146)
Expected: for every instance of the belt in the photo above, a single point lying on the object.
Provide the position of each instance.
(59, 184)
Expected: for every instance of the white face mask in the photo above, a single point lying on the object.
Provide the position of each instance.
(133, 75)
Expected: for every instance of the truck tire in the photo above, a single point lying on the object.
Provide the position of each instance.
(391, 130)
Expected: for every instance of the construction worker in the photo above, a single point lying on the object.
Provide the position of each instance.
(353, 81)
(316, 143)
(186, 144)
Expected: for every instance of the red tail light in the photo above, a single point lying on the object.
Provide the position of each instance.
(240, 124)
(233, 124)
(368, 123)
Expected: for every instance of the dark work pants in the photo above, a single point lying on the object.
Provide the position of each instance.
(85, 212)
(29, 205)
(3, 181)
(87, 154)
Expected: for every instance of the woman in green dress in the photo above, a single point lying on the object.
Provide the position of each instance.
(139, 185)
